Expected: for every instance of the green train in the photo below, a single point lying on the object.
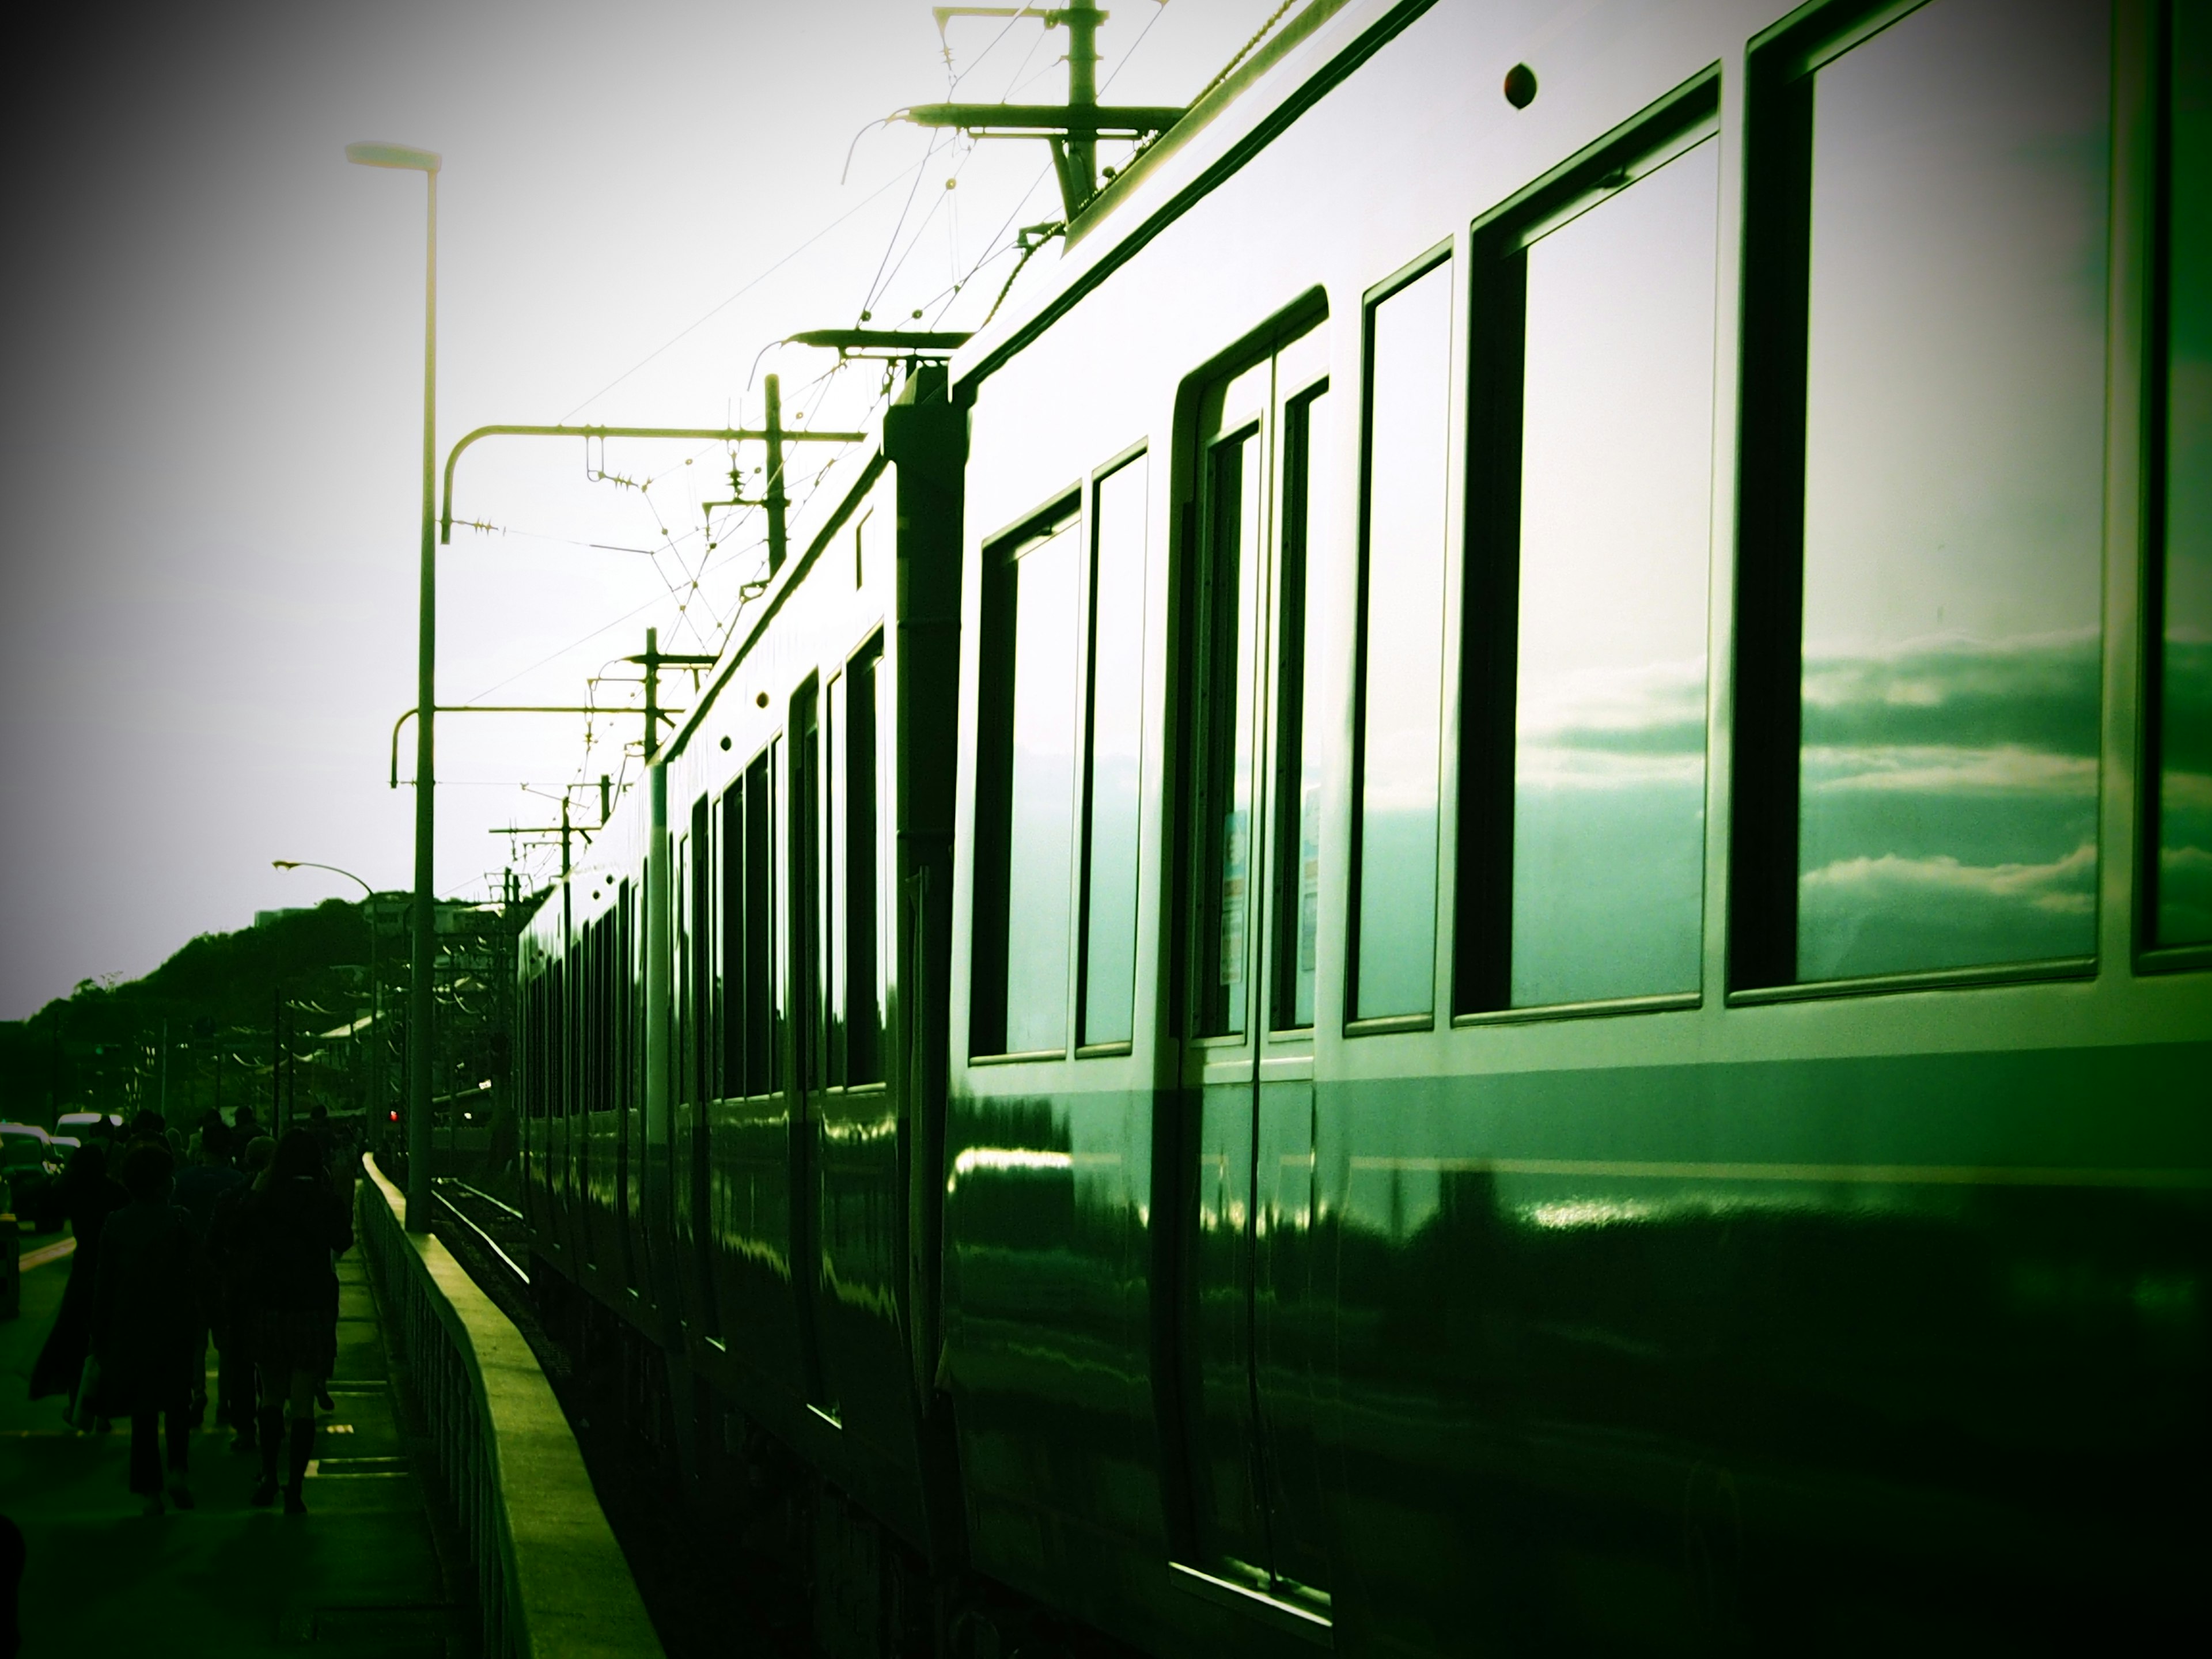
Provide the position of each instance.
(1466, 905)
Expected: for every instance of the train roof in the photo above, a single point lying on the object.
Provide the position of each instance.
(1313, 51)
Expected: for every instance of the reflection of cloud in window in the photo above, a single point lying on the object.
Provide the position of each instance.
(2040, 690)
(1949, 803)
(2062, 885)
(1934, 770)
(2190, 791)
(1598, 702)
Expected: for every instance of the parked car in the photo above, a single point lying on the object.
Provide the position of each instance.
(33, 1166)
(105, 1125)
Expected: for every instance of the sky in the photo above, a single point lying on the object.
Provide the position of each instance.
(212, 335)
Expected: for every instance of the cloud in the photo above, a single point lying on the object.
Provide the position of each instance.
(2063, 887)
(2036, 692)
(1938, 770)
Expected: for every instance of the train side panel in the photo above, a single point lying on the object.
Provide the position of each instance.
(1760, 1311)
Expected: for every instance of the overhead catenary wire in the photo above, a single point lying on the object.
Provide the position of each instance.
(752, 282)
(692, 585)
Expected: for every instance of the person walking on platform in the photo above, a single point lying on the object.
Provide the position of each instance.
(200, 1186)
(146, 1320)
(214, 1136)
(293, 1228)
(245, 1130)
(89, 1196)
(231, 1309)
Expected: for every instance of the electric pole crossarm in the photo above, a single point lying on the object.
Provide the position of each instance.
(883, 342)
(711, 435)
(1027, 120)
(490, 708)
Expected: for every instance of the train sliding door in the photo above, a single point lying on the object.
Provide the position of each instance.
(809, 1043)
(1251, 790)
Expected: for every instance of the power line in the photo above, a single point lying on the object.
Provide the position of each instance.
(748, 288)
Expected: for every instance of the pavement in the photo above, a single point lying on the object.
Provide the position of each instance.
(360, 1572)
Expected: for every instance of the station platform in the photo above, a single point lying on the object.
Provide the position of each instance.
(362, 1570)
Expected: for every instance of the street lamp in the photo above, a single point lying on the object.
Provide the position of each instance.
(375, 979)
(421, 1010)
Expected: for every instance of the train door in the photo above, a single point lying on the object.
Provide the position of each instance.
(1251, 790)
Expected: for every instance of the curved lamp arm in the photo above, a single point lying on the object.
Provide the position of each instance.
(309, 864)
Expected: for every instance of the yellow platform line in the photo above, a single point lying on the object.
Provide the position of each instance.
(38, 1258)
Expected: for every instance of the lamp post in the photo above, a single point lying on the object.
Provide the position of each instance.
(375, 979)
(421, 1000)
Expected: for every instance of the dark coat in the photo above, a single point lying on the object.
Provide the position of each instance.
(61, 1361)
(230, 1266)
(199, 1187)
(146, 1320)
(289, 1232)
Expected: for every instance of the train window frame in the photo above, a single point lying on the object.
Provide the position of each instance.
(764, 1014)
(1137, 454)
(2153, 952)
(1487, 691)
(1244, 441)
(1295, 645)
(1439, 256)
(831, 855)
(703, 1056)
(1764, 647)
(805, 974)
(990, 894)
(852, 921)
(730, 935)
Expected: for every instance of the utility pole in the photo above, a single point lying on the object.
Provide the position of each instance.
(655, 660)
(1073, 128)
(772, 497)
(1082, 19)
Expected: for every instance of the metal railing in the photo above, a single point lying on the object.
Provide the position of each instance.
(550, 1580)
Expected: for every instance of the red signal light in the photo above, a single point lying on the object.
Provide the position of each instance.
(395, 1117)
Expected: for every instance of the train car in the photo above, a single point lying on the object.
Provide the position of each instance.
(1544, 981)
(727, 1074)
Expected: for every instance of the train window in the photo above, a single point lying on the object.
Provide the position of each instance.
(1583, 777)
(730, 936)
(2182, 912)
(1234, 564)
(1114, 733)
(803, 885)
(1025, 803)
(603, 1012)
(1400, 724)
(536, 1094)
(834, 858)
(594, 969)
(1296, 837)
(703, 1045)
(556, 1043)
(680, 1067)
(626, 989)
(857, 1056)
(1923, 466)
(763, 998)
